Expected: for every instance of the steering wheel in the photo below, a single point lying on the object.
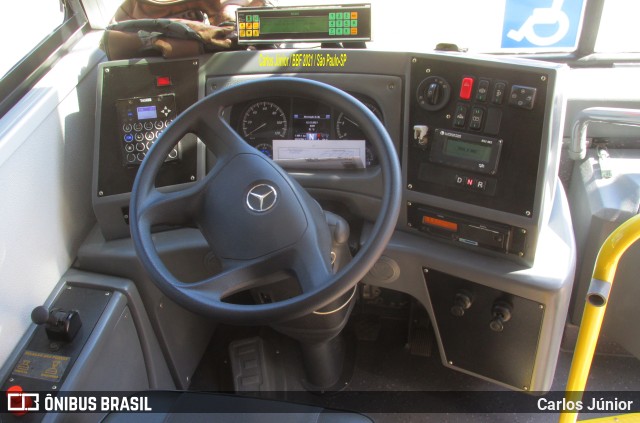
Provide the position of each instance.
(256, 219)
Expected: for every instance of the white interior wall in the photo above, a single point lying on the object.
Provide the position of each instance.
(46, 146)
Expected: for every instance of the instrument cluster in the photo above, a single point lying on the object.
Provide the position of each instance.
(261, 121)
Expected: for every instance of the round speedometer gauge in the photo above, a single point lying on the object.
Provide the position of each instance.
(264, 120)
(348, 129)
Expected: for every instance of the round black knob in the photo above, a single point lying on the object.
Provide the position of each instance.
(461, 303)
(496, 325)
(501, 312)
(433, 93)
(40, 315)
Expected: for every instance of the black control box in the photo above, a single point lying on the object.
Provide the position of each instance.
(466, 230)
(481, 136)
(140, 122)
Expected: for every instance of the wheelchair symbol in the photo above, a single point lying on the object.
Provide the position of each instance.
(553, 15)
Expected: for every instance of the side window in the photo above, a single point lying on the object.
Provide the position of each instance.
(34, 34)
(21, 34)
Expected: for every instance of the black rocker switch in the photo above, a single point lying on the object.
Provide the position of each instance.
(61, 325)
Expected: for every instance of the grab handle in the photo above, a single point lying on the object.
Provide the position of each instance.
(614, 116)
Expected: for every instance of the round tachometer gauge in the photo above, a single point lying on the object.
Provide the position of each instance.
(264, 120)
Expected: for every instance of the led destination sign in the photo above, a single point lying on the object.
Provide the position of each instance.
(257, 25)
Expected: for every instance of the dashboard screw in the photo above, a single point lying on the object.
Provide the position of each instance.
(100, 193)
(448, 116)
(410, 186)
(541, 307)
(543, 78)
(521, 254)
(54, 387)
(106, 294)
(409, 203)
(414, 60)
(526, 388)
(451, 363)
(428, 70)
(11, 380)
(391, 86)
(409, 224)
(425, 270)
(106, 70)
(524, 231)
(528, 213)
(193, 178)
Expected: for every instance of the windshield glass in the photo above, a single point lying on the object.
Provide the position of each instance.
(494, 26)
(619, 30)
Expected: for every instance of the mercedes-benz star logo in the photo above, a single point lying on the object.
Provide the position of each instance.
(261, 198)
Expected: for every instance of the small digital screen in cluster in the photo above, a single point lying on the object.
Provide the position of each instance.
(312, 126)
(147, 112)
(467, 150)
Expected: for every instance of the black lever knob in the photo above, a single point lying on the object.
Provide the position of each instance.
(501, 312)
(461, 303)
(40, 315)
(60, 325)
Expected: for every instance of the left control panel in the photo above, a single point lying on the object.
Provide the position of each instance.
(44, 364)
(137, 101)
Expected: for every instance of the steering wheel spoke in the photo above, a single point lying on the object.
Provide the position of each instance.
(238, 276)
(171, 207)
(220, 138)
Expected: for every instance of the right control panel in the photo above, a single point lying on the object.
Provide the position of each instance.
(477, 133)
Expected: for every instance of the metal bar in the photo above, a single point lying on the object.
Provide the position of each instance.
(615, 116)
(597, 298)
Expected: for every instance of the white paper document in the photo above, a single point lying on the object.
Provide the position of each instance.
(325, 154)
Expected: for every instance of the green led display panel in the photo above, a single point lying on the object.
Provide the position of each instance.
(257, 25)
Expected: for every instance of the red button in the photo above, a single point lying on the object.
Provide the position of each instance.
(163, 81)
(18, 403)
(466, 88)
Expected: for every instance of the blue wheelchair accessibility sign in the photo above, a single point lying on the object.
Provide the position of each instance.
(535, 24)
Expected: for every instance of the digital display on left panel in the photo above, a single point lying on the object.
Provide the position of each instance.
(147, 112)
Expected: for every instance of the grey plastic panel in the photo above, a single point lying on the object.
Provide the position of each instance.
(548, 282)
(599, 206)
(544, 276)
(185, 253)
(356, 74)
(121, 353)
